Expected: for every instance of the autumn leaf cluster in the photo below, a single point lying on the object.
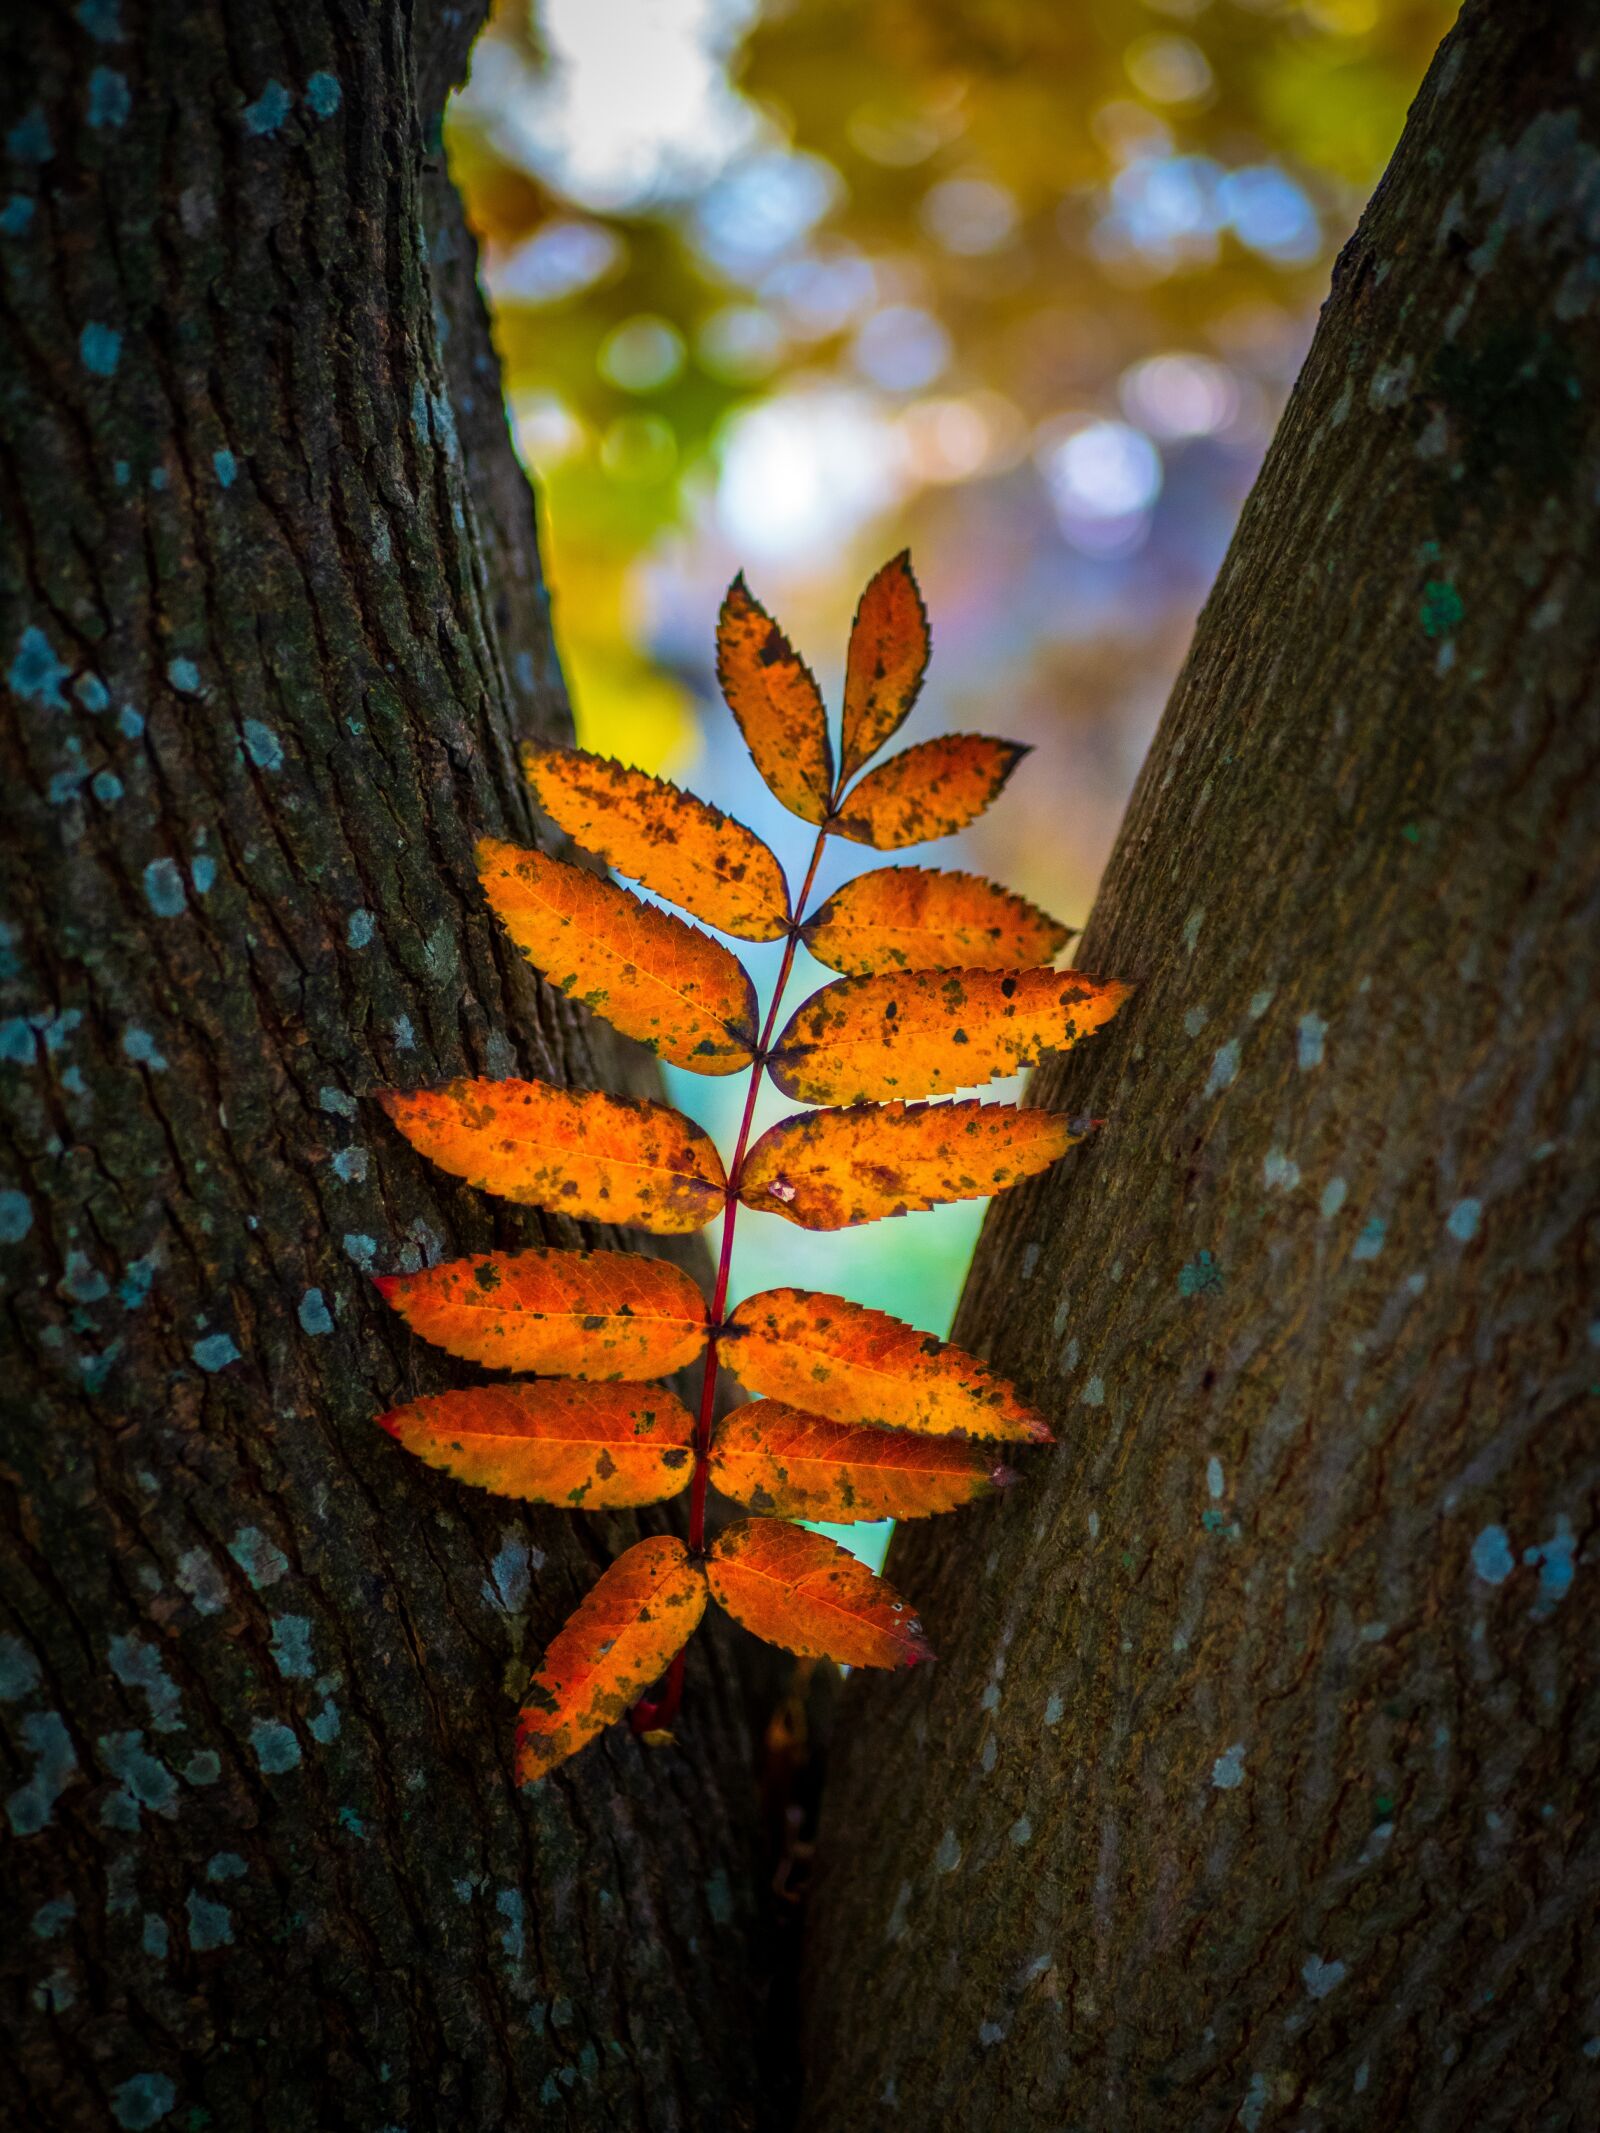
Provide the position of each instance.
(945, 982)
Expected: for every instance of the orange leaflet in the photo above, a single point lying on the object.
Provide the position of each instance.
(653, 977)
(675, 844)
(888, 655)
(920, 1032)
(573, 1314)
(913, 918)
(833, 1169)
(603, 1158)
(931, 790)
(805, 1593)
(621, 1639)
(593, 1447)
(772, 694)
(778, 1459)
(850, 1364)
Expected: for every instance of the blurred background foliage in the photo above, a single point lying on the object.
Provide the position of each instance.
(785, 285)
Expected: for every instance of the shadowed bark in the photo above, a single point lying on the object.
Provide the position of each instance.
(1255, 1784)
(273, 623)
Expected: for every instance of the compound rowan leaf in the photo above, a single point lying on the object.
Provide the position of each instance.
(888, 656)
(779, 1459)
(602, 1158)
(804, 1592)
(682, 994)
(931, 790)
(850, 1364)
(617, 1642)
(833, 1169)
(921, 1032)
(692, 854)
(591, 1447)
(915, 918)
(572, 1314)
(776, 701)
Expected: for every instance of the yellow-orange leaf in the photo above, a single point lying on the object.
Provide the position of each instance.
(914, 918)
(888, 657)
(804, 1592)
(850, 1364)
(675, 844)
(931, 790)
(772, 694)
(594, 1447)
(920, 1032)
(602, 1158)
(651, 975)
(778, 1459)
(572, 1314)
(833, 1169)
(618, 1641)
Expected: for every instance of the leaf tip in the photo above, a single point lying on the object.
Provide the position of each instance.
(386, 1284)
(488, 854)
(390, 1422)
(531, 1752)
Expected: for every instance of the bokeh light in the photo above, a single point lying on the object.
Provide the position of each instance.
(786, 285)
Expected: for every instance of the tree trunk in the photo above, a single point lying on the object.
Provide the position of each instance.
(1255, 1784)
(273, 621)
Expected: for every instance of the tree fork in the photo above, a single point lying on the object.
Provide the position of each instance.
(1255, 1785)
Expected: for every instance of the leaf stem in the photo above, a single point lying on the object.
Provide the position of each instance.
(660, 1711)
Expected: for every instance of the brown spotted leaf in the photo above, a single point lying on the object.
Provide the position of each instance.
(570, 1314)
(888, 656)
(620, 1639)
(601, 1158)
(680, 848)
(915, 918)
(777, 703)
(589, 1447)
(931, 790)
(851, 1364)
(649, 974)
(778, 1459)
(921, 1032)
(804, 1592)
(833, 1169)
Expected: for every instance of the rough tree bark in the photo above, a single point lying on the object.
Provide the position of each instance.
(1255, 1785)
(273, 623)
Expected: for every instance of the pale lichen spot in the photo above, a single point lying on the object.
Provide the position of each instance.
(1227, 1772)
(1492, 1559)
(1319, 1977)
(1224, 1068)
